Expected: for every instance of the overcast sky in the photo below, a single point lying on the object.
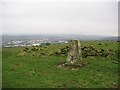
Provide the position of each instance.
(62, 17)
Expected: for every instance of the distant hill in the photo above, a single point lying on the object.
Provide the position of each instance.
(60, 36)
(112, 38)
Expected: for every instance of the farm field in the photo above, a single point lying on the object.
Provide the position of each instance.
(38, 67)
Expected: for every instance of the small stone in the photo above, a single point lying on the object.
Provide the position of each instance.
(59, 66)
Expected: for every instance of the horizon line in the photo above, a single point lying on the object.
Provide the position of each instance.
(57, 34)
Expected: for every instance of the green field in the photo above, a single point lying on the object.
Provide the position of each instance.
(38, 67)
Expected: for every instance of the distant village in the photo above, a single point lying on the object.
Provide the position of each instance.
(22, 41)
(32, 42)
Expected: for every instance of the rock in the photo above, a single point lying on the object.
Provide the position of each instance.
(42, 53)
(74, 54)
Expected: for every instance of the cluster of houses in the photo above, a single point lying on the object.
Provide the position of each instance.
(24, 43)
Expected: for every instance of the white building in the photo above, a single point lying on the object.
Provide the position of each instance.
(36, 44)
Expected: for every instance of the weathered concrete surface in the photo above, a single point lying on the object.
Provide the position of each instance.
(74, 55)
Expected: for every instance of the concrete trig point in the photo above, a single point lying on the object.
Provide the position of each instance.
(74, 55)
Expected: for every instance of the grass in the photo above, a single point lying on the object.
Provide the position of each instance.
(42, 71)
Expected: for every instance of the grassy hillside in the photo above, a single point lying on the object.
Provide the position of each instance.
(38, 67)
